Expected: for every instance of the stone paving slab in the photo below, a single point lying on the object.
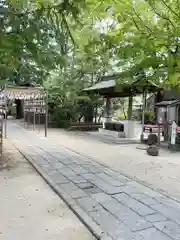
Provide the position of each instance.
(156, 217)
(170, 228)
(121, 207)
(151, 234)
(135, 205)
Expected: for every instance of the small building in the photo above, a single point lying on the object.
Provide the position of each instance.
(163, 95)
(111, 87)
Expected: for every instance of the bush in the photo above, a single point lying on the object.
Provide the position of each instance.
(62, 117)
(149, 117)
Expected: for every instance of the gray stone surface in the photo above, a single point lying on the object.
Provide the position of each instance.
(168, 202)
(77, 179)
(101, 197)
(59, 178)
(91, 169)
(69, 187)
(57, 165)
(67, 172)
(112, 225)
(144, 190)
(122, 212)
(78, 194)
(85, 185)
(132, 220)
(106, 238)
(170, 228)
(127, 216)
(137, 206)
(169, 212)
(156, 217)
(130, 190)
(78, 169)
(65, 161)
(102, 184)
(123, 208)
(93, 190)
(139, 196)
(89, 204)
(151, 234)
(148, 201)
(114, 182)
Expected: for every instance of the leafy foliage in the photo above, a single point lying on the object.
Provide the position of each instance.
(149, 117)
(66, 102)
(146, 39)
(34, 37)
(67, 45)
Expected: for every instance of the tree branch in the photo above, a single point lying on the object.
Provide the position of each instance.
(142, 20)
(170, 9)
(162, 16)
(68, 29)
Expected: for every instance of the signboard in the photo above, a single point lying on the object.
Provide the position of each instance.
(173, 133)
(161, 115)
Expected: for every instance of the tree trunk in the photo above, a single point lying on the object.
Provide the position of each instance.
(95, 114)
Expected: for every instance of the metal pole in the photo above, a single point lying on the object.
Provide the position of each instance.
(5, 120)
(46, 113)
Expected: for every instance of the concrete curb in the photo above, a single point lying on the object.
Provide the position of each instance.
(91, 225)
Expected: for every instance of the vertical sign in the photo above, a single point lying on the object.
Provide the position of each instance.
(173, 133)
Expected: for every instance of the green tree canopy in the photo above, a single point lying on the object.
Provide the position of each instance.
(34, 37)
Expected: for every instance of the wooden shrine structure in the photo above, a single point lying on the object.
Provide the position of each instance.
(34, 103)
(110, 87)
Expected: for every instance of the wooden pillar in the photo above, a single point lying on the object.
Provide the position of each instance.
(107, 115)
(130, 105)
(46, 113)
(143, 112)
(129, 128)
(5, 119)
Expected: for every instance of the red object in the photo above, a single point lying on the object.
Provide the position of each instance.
(150, 126)
(178, 129)
(147, 126)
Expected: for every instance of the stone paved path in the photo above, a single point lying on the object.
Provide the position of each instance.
(22, 214)
(161, 173)
(121, 207)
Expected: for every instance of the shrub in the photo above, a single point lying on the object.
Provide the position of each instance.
(149, 117)
(62, 117)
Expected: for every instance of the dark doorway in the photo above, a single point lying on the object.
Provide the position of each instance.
(19, 108)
